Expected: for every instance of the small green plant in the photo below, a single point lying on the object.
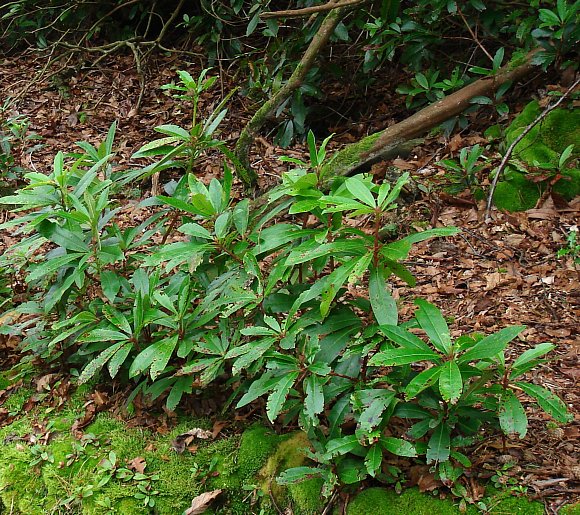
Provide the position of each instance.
(463, 174)
(428, 88)
(557, 32)
(572, 248)
(14, 139)
(181, 148)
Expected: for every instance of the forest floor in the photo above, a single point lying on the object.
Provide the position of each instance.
(492, 275)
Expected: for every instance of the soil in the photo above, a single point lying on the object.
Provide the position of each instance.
(494, 274)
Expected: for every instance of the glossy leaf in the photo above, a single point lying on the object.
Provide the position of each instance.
(491, 345)
(382, 303)
(548, 401)
(432, 322)
(512, 416)
(450, 382)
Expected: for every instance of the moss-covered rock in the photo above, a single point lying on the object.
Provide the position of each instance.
(543, 145)
(548, 139)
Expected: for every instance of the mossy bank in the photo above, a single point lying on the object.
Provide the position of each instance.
(103, 472)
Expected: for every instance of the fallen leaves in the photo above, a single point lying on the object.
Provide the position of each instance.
(182, 441)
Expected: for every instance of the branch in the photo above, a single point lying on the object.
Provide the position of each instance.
(450, 106)
(392, 140)
(307, 11)
(257, 121)
(511, 148)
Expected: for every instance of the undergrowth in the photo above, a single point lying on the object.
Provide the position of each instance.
(210, 291)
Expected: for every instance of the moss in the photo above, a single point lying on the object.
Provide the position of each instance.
(381, 501)
(516, 194)
(4, 381)
(548, 139)
(542, 145)
(304, 496)
(571, 509)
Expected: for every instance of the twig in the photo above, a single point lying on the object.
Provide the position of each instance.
(329, 505)
(307, 11)
(139, 74)
(474, 36)
(524, 133)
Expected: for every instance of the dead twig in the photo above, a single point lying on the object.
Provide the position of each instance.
(474, 35)
(511, 148)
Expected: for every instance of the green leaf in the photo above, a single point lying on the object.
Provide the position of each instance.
(241, 215)
(70, 239)
(297, 474)
(432, 322)
(430, 233)
(314, 401)
(512, 416)
(102, 335)
(158, 353)
(405, 339)
(396, 357)
(181, 386)
(258, 388)
(548, 401)
(310, 251)
(173, 130)
(450, 382)
(153, 147)
(195, 230)
(333, 283)
(110, 284)
(117, 318)
(222, 225)
(50, 266)
(163, 352)
(250, 352)
(422, 381)
(382, 303)
(528, 356)
(360, 191)
(491, 345)
(371, 416)
(96, 364)
(340, 446)
(119, 358)
(374, 459)
(277, 398)
(439, 447)
(398, 446)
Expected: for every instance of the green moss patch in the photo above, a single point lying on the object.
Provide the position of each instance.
(380, 501)
(543, 145)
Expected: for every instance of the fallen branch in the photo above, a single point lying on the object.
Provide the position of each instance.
(385, 144)
(307, 11)
(523, 134)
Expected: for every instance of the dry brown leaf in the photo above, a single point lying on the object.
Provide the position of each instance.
(201, 503)
(137, 464)
(183, 440)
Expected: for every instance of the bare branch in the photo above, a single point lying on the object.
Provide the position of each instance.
(307, 11)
